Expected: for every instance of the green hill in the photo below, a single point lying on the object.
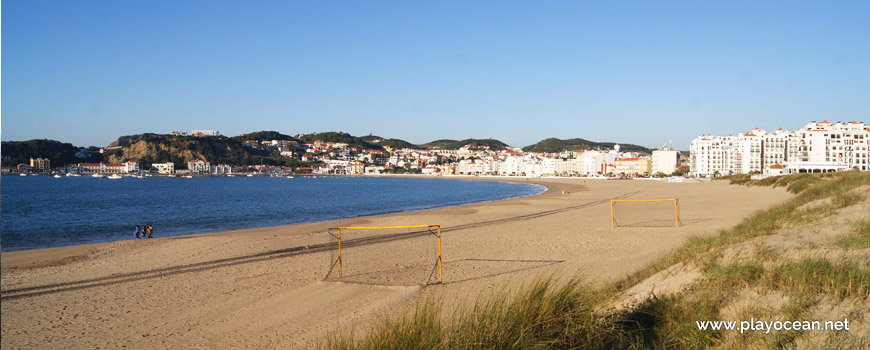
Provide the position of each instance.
(392, 143)
(553, 145)
(155, 148)
(264, 136)
(494, 145)
(60, 154)
(340, 137)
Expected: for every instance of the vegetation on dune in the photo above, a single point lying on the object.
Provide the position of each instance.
(547, 314)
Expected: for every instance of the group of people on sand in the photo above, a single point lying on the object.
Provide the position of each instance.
(144, 231)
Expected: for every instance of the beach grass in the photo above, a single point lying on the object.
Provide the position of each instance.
(551, 315)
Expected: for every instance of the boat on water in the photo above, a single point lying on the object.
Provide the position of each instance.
(289, 177)
(57, 176)
(171, 175)
(22, 175)
(115, 177)
(98, 176)
(188, 176)
(71, 174)
(250, 175)
(231, 175)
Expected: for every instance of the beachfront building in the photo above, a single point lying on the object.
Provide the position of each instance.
(825, 146)
(222, 169)
(197, 166)
(635, 166)
(711, 156)
(164, 168)
(40, 164)
(746, 153)
(664, 161)
(105, 168)
(817, 147)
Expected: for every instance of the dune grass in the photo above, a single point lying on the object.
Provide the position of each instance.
(550, 315)
(858, 237)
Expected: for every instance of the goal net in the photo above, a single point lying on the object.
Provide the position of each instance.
(386, 255)
(645, 213)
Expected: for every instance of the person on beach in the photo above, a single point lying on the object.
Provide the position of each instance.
(136, 232)
(150, 231)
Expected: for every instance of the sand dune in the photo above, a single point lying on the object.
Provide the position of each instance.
(265, 288)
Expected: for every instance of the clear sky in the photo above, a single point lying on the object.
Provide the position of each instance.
(641, 72)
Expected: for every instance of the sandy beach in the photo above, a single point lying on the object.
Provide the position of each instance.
(265, 288)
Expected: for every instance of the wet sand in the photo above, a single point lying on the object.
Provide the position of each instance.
(265, 288)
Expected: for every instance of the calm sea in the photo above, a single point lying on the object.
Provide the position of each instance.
(42, 211)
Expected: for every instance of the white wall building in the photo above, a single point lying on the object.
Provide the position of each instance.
(164, 168)
(817, 147)
(665, 161)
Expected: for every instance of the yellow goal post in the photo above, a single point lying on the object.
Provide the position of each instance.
(437, 234)
(676, 210)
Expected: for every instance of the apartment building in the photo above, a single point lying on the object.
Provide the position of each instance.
(817, 147)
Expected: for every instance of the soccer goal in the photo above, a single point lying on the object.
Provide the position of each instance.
(386, 255)
(645, 212)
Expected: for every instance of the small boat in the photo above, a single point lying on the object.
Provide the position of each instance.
(289, 177)
(115, 177)
(71, 174)
(140, 177)
(188, 176)
(22, 175)
(57, 176)
(171, 175)
(230, 175)
(250, 175)
(98, 176)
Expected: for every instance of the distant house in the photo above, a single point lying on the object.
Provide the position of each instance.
(164, 168)
(222, 169)
(633, 166)
(40, 164)
(197, 166)
(303, 170)
(200, 133)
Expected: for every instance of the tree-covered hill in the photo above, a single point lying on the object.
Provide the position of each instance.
(60, 154)
(340, 137)
(553, 145)
(392, 143)
(493, 144)
(264, 136)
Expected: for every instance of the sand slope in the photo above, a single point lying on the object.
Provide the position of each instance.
(264, 288)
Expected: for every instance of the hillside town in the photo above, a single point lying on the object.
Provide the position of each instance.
(817, 147)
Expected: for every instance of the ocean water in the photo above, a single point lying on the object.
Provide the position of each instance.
(43, 211)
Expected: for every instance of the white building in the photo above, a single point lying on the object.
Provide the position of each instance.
(204, 133)
(826, 146)
(197, 166)
(222, 169)
(164, 168)
(817, 147)
(665, 161)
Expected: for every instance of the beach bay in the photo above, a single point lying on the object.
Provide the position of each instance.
(251, 289)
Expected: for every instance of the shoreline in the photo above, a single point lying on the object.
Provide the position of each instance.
(50, 256)
(264, 288)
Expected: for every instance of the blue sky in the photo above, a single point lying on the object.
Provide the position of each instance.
(639, 72)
